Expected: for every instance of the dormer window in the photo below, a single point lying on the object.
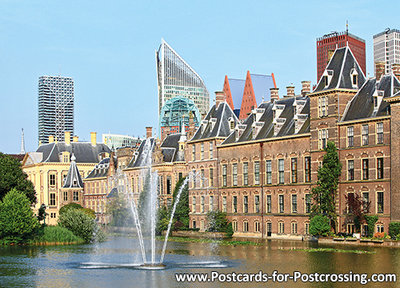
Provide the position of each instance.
(354, 78)
(327, 77)
(378, 96)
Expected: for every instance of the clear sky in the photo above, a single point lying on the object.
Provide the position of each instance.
(108, 47)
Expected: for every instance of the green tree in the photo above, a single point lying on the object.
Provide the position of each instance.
(88, 211)
(79, 223)
(181, 216)
(118, 210)
(217, 222)
(328, 178)
(42, 213)
(12, 176)
(320, 225)
(17, 221)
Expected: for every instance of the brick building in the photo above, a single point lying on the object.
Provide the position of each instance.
(266, 166)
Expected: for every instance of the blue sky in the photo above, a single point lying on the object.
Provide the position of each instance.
(108, 48)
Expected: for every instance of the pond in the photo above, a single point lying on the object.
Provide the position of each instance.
(109, 264)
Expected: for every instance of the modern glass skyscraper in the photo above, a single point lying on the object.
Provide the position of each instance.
(387, 48)
(176, 78)
(56, 107)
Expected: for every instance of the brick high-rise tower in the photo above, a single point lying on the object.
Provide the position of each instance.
(328, 43)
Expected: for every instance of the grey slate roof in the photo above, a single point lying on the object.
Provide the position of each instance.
(341, 65)
(73, 179)
(267, 129)
(83, 151)
(170, 148)
(362, 104)
(138, 156)
(101, 169)
(220, 128)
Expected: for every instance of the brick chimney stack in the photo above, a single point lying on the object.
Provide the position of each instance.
(274, 94)
(396, 70)
(290, 91)
(149, 132)
(75, 139)
(305, 87)
(219, 98)
(379, 70)
(67, 137)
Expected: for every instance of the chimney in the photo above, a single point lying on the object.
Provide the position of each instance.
(274, 94)
(93, 138)
(396, 70)
(219, 98)
(67, 137)
(149, 132)
(75, 139)
(111, 165)
(379, 70)
(290, 91)
(305, 87)
(51, 139)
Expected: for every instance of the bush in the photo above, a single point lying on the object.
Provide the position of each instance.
(17, 221)
(394, 229)
(320, 226)
(371, 220)
(379, 235)
(217, 222)
(88, 211)
(58, 234)
(81, 224)
(229, 230)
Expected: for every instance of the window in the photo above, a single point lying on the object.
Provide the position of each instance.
(281, 204)
(322, 138)
(211, 150)
(380, 202)
(307, 169)
(234, 203)
(180, 176)
(234, 225)
(294, 227)
(294, 170)
(294, 203)
(268, 169)
(379, 228)
(65, 196)
(269, 204)
(66, 158)
(53, 215)
(202, 151)
(350, 200)
(76, 196)
(202, 204)
(365, 203)
(161, 185)
(245, 226)
(365, 166)
(169, 183)
(245, 204)
(202, 180)
(52, 180)
(224, 171)
(52, 199)
(234, 174)
(211, 177)
(211, 204)
(308, 203)
(307, 228)
(354, 79)
(256, 173)
(350, 169)
(256, 226)
(281, 227)
(194, 206)
(245, 173)
(350, 136)
(224, 204)
(365, 134)
(379, 165)
(269, 228)
(256, 204)
(281, 170)
(323, 104)
(379, 133)
(194, 152)
(194, 224)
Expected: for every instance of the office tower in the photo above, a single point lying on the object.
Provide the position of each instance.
(328, 43)
(56, 107)
(176, 78)
(387, 48)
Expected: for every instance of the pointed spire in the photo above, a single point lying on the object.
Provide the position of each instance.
(73, 179)
(22, 142)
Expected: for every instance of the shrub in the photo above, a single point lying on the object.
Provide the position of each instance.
(81, 224)
(379, 235)
(320, 226)
(229, 230)
(217, 222)
(394, 229)
(88, 211)
(17, 221)
(58, 234)
(371, 220)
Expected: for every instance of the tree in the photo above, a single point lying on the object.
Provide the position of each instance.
(319, 225)
(42, 213)
(88, 211)
(217, 222)
(12, 176)
(182, 209)
(324, 193)
(17, 221)
(118, 210)
(357, 209)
